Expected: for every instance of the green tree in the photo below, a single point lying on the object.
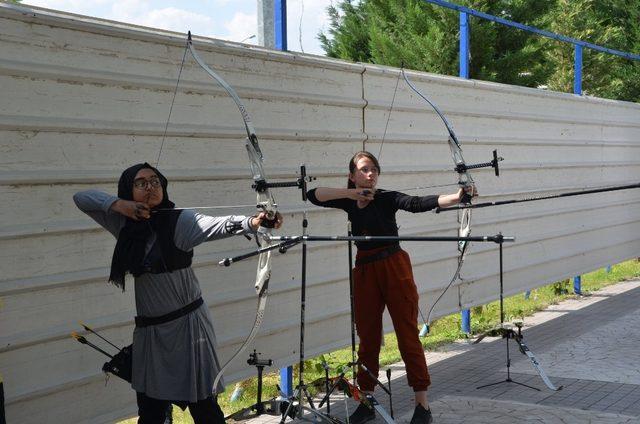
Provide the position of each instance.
(422, 36)
(610, 23)
(348, 36)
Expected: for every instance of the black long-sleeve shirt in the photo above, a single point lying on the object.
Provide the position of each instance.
(378, 218)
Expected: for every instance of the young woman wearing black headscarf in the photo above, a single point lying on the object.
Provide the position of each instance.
(174, 358)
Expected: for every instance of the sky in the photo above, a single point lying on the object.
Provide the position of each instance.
(234, 20)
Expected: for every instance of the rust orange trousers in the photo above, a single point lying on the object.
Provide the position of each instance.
(388, 282)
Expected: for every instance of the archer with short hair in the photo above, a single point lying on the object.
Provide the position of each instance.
(383, 275)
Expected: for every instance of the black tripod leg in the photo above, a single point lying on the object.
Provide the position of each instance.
(351, 307)
(390, 397)
(326, 386)
(378, 382)
(330, 390)
(309, 398)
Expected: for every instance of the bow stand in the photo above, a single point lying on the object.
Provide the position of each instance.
(508, 333)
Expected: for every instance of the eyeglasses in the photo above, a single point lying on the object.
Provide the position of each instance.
(143, 184)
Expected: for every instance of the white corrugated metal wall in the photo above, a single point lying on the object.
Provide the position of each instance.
(84, 98)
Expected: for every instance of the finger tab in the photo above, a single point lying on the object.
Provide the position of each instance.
(269, 223)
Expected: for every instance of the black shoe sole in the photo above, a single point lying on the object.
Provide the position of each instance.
(366, 420)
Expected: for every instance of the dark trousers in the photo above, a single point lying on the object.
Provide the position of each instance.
(388, 282)
(154, 411)
(2, 417)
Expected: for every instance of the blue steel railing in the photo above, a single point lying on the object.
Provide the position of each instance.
(579, 45)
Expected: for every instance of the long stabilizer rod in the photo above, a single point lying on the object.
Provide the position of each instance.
(535, 199)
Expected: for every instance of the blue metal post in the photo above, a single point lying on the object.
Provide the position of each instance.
(577, 70)
(286, 380)
(466, 321)
(576, 284)
(464, 73)
(280, 22)
(464, 45)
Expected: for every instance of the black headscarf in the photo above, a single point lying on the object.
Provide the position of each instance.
(129, 252)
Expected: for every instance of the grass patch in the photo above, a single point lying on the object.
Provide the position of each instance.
(444, 330)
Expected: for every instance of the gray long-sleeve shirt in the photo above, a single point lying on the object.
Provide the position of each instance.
(175, 360)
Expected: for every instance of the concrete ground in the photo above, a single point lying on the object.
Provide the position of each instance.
(587, 345)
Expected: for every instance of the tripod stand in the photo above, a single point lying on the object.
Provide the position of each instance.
(351, 390)
(506, 333)
(271, 407)
(341, 382)
(296, 406)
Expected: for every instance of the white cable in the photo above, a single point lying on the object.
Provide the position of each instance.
(300, 25)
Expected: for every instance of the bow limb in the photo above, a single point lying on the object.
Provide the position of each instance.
(248, 124)
(265, 201)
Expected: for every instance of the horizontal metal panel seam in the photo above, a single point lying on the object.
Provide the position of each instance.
(461, 114)
(492, 273)
(32, 338)
(83, 225)
(542, 237)
(52, 389)
(99, 176)
(25, 123)
(48, 177)
(437, 138)
(136, 81)
(448, 80)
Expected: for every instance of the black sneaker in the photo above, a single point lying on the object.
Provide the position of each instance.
(362, 414)
(421, 415)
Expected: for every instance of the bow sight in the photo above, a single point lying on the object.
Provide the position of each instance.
(300, 183)
(460, 168)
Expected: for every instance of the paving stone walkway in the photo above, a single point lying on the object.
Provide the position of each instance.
(588, 345)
